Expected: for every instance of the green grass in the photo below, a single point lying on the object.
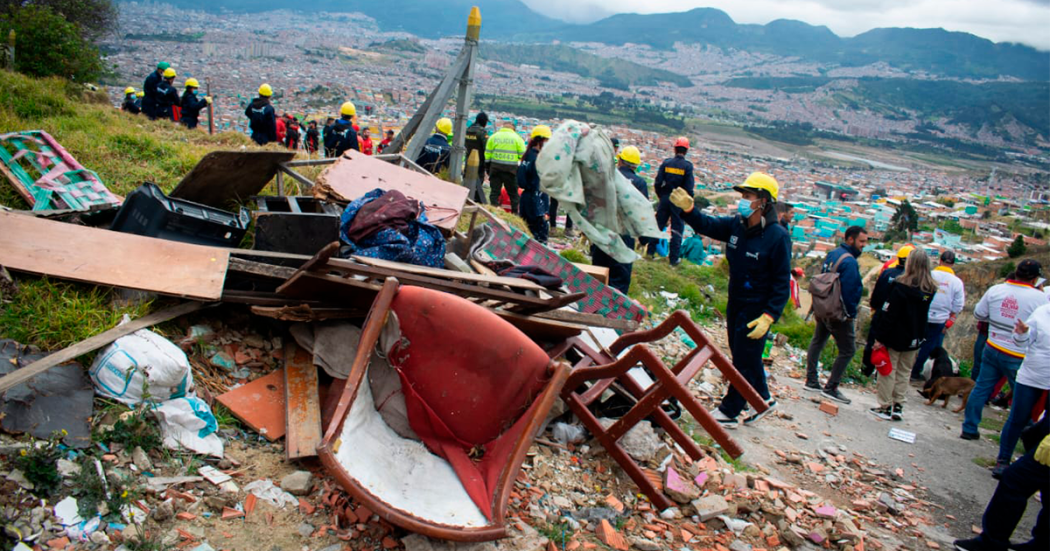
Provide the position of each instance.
(799, 334)
(225, 417)
(689, 281)
(984, 462)
(993, 422)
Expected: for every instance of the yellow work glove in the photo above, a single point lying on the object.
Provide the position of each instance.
(207, 99)
(760, 326)
(1042, 453)
(681, 199)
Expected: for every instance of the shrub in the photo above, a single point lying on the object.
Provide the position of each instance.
(49, 45)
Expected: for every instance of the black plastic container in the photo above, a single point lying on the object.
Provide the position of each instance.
(299, 225)
(147, 211)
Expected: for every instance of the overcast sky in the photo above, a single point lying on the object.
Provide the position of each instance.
(1025, 21)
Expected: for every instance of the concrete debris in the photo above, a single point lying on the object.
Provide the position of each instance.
(298, 483)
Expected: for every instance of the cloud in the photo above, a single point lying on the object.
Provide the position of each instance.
(1024, 21)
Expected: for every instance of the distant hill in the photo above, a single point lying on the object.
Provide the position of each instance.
(611, 73)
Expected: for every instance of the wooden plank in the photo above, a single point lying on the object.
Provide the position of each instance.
(302, 403)
(259, 404)
(513, 282)
(225, 178)
(541, 329)
(20, 376)
(356, 174)
(259, 269)
(112, 258)
(600, 273)
(305, 313)
(589, 320)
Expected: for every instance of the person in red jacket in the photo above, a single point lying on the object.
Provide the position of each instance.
(386, 141)
(281, 127)
(365, 141)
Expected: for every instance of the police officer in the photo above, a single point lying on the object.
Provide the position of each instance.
(131, 102)
(192, 104)
(620, 273)
(674, 173)
(342, 137)
(476, 139)
(149, 89)
(436, 151)
(534, 203)
(759, 254)
(502, 153)
(262, 119)
(167, 96)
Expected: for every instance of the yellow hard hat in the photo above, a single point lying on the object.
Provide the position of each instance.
(541, 131)
(265, 91)
(904, 251)
(192, 83)
(129, 90)
(348, 108)
(140, 94)
(444, 125)
(169, 73)
(630, 154)
(762, 182)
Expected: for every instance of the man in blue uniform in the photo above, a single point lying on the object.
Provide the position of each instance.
(342, 137)
(619, 272)
(436, 152)
(167, 96)
(192, 104)
(758, 251)
(675, 173)
(149, 90)
(534, 204)
(261, 117)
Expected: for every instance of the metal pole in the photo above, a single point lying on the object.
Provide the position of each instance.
(211, 111)
(463, 100)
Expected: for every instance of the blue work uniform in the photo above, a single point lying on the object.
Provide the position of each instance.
(262, 120)
(149, 94)
(533, 203)
(620, 272)
(341, 138)
(191, 108)
(167, 97)
(436, 153)
(675, 172)
(759, 283)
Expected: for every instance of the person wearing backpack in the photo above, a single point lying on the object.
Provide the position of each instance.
(836, 295)
(901, 329)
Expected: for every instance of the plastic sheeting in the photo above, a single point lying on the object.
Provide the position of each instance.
(578, 168)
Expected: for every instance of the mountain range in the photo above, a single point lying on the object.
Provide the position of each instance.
(935, 51)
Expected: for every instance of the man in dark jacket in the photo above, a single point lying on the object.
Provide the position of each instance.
(191, 104)
(262, 119)
(844, 261)
(131, 102)
(619, 272)
(342, 137)
(437, 152)
(476, 139)
(759, 254)
(879, 293)
(167, 96)
(149, 89)
(312, 137)
(674, 173)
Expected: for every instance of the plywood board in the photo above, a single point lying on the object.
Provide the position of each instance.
(260, 405)
(105, 257)
(302, 402)
(223, 179)
(355, 174)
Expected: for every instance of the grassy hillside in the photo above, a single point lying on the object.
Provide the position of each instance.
(612, 73)
(125, 150)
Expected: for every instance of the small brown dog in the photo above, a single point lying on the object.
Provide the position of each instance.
(946, 387)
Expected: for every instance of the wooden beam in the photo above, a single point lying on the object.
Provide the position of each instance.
(260, 269)
(441, 97)
(302, 402)
(20, 376)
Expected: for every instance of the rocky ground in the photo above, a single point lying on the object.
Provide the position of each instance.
(814, 475)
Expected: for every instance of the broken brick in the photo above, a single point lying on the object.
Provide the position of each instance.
(609, 536)
(185, 516)
(229, 513)
(829, 408)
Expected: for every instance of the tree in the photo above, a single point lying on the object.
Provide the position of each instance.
(1017, 248)
(986, 215)
(48, 45)
(94, 18)
(905, 219)
(702, 202)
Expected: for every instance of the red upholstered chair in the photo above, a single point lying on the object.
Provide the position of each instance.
(476, 390)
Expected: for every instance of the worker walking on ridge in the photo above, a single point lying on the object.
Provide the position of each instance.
(167, 96)
(674, 173)
(534, 203)
(436, 151)
(502, 153)
(262, 119)
(192, 104)
(759, 254)
(149, 90)
(342, 137)
(476, 139)
(131, 102)
(619, 272)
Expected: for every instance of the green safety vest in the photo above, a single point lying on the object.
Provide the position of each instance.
(505, 148)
